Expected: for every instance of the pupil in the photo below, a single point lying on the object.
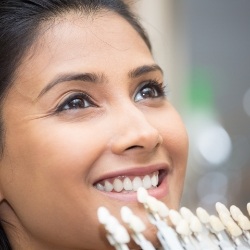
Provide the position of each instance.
(147, 92)
(76, 103)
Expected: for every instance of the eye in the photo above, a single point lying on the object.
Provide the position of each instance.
(76, 101)
(150, 89)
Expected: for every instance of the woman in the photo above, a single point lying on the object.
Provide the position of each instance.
(84, 121)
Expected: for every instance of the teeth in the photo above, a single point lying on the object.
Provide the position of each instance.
(100, 187)
(128, 184)
(118, 185)
(137, 182)
(154, 180)
(146, 182)
(108, 186)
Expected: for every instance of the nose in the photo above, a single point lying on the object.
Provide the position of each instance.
(134, 131)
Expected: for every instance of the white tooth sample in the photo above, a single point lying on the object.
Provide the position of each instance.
(225, 218)
(108, 186)
(234, 229)
(175, 217)
(146, 182)
(118, 185)
(136, 224)
(216, 224)
(155, 179)
(134, 221)
(186, 213)
(163, 210)
(103, 215)
(182, 228)
(203, 215)
(121, 235)
(221, 208)
(195, 225)
(152, 203)
(137, 182)
(244, 222)
(142, 195)
(126, 214)
(235, 212)
(248, 208)
(127, 184)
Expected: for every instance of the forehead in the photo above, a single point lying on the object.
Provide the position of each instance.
(74, 42)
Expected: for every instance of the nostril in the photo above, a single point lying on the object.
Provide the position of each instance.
(135, 146)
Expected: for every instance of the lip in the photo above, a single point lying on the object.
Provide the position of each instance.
(158, 192)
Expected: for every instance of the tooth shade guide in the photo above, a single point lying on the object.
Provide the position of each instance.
(227, 231)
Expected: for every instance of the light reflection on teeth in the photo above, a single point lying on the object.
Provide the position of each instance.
(128, 184)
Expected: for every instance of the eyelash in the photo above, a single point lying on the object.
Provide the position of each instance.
(81, 98)
(159, 89)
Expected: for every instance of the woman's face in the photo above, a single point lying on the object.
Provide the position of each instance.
(87, 111)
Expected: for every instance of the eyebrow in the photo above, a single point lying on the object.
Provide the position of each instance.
(83, 77)
(137, 72)
(96, 78)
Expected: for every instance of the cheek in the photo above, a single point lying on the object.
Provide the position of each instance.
(174, 134)
(47, 181)
(175, 143)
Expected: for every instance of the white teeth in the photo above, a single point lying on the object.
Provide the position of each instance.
(137, 182)
(146, 182)
(100, 187)
(118, 185)
(127, 184)
(154, 180)
(108, 186)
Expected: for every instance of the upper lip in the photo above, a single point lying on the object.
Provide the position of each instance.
(134, 171)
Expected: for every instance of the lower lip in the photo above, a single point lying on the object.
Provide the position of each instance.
(159, 192)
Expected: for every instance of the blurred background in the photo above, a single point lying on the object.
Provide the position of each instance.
(204, 49)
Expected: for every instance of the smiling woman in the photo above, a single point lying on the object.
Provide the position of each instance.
(85, 121)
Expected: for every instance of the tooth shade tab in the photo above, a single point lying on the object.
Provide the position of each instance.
(152, 203)
(175, 217)
(142, 195)
(126, 214)
(203, 215)
(248, 208)
(216, 224)
(225, 218)
(163, 210)
(129, 183)
(182, 228)
(195, 225)
(221, 208)
(235, 212)
(103, 215)
(234, 229)
(186, 213)
(244, 222)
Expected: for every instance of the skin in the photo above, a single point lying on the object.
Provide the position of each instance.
(51, 159)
